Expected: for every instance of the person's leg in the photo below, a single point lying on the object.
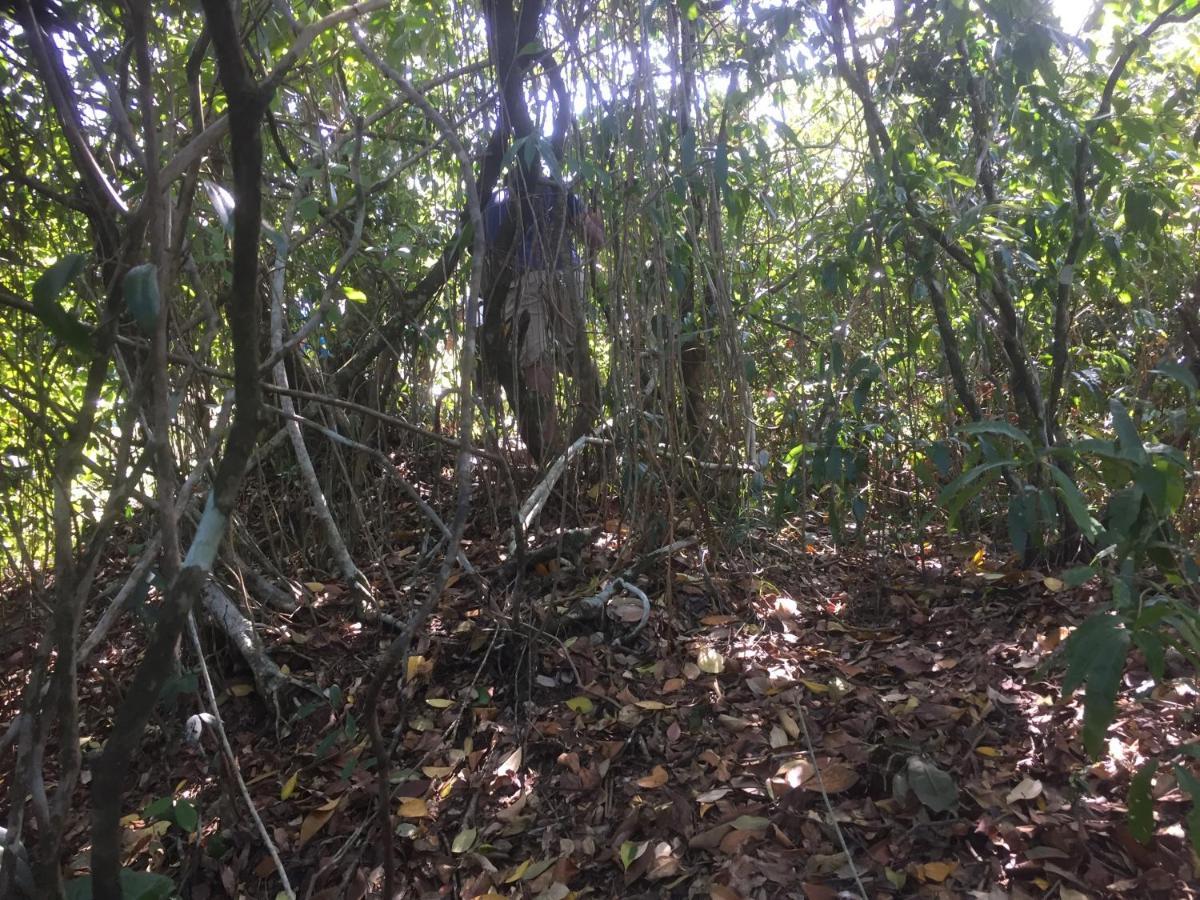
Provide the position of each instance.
(574, 337)
(539, 417)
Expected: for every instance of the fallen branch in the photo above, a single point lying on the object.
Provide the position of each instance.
(232, 760)
(536, 501)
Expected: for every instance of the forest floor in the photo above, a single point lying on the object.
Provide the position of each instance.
(794, 720)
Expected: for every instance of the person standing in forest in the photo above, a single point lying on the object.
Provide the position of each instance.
(536, 274)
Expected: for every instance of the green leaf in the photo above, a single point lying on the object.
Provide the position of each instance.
(1076, 505)
(186, 816)
(630, 851)
(46, 291)
(1141, 803)
(134, 886)
(142, 298)
(1140, 214)
(1177, 373)
(582, 705)
(1078, 575)
(1122, 514)
(996, 426)
(933, 786)
(1191, 784)
(1129, 442)
(1095, 655)
(464, 840)
(157, 808)
(956, 494)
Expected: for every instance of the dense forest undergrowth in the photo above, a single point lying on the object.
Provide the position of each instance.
(793, 720)
(559, 449)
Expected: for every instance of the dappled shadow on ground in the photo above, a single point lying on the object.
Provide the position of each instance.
(794, 721)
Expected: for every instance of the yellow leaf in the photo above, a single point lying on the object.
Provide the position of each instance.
(650, 704)
(520, 870)
(413, 808)
(289, 786)
(789, 725)
(937, 871)
(314, 586)
(1053, 584)
(710, 661)
(315, 821)
(439, 702)
(241, 690)
(990, 752)
(815, 686)
(582, 705)
(417, 665)
(656, 779)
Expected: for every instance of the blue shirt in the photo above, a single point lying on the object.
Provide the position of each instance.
(532, 249)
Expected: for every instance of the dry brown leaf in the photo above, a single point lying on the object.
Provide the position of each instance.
(656, 779)
(413, 808)
(315, 821)
(734, 841)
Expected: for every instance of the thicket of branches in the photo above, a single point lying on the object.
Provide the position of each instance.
(866, 261)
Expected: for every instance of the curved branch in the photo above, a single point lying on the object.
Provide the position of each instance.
(247, 103)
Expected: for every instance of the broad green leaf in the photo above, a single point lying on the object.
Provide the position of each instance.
(1078, 575)
(157, 808)
(1177, 373)
(464, 840)
(142, 297)
(630, 851)
(1076, 505)
(46, 291)
(956, 494)
(1141, 802)
(186, 816)
(1095, 655)
(996, 426)
(1129, 442)
(1191, 784)
(135, 885)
